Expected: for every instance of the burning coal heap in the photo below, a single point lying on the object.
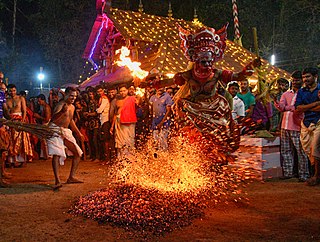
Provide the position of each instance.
(157, 191)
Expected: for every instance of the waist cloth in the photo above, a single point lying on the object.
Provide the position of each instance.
(56, 145)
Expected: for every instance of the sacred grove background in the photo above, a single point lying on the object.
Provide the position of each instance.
(53, 34)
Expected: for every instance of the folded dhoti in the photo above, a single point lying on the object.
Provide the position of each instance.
(56, 145)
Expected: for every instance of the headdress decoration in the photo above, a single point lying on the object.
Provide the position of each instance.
(204, 39)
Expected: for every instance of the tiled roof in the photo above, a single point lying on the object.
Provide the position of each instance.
(158, 44)
(159, 38)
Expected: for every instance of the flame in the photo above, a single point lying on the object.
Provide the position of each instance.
(140, 91)
(134, 67)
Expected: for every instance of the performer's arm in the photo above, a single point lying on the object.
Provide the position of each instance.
(247, 71)
(156, 83)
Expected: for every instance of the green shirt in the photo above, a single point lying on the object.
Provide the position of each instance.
(248, 99)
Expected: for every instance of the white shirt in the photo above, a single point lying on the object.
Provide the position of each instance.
(103, 110)
(238, 108)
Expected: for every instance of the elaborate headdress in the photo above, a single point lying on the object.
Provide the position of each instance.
(205, 39)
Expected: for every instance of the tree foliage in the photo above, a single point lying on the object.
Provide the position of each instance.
(55, 32)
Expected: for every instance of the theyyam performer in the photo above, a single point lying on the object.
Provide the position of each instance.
(202, 114)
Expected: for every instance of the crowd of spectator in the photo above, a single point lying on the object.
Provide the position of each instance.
(115, 120)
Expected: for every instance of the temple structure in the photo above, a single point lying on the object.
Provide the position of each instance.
(154, 42)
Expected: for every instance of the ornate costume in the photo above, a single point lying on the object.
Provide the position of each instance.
(20, 144)
(204, 115)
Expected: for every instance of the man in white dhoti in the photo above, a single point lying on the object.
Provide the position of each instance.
(62, 118)
(124, 123)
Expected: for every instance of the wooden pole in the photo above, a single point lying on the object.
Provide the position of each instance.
(255, 41)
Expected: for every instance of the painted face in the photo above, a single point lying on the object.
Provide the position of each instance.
(12, 92)
(204, 64)
(71, 97)
(123, 92)
(309, 79)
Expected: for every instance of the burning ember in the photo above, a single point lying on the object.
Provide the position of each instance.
(134, 67)
(157, 191)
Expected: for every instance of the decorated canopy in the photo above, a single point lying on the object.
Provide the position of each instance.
(154, 41)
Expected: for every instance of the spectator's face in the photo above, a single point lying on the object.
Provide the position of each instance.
(244, 86)
(100, 92)
(3, 87)
(40, 101)
(55, 98)
(1, 77)
(309, 79)
(233, 90)
(71, 97)
(78, 104)
(296, 83)
(91, 95)
(170, 91)
(112, 93)
(160, 91)
(131, 91)
(12, 92)
(123, 92)
(283, 86)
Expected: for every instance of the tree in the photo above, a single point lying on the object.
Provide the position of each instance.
(62, 27)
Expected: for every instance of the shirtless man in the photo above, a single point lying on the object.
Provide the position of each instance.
(43, 118)
(20, 147)
(62, 118)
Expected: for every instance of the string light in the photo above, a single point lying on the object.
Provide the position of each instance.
(159, 34)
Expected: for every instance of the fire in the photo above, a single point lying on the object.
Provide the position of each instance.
(140, 91)
(176, 170)
(152, 192)
(134, 67)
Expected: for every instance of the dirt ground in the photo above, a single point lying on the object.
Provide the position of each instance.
(31, 211)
